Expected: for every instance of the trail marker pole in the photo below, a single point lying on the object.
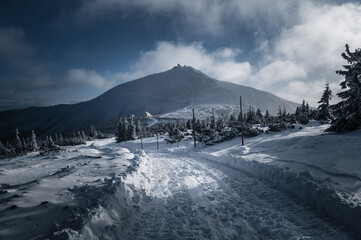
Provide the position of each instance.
(194, 128)
(141, 141)
(242, 120)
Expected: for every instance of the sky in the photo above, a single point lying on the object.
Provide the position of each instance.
(54, 52)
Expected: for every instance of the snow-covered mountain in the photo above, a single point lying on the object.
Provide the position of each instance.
(159, 93)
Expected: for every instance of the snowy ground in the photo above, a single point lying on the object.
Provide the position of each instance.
(203, 111)
(296, 184)
(41, 195)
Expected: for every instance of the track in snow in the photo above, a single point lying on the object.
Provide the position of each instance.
(198, 199)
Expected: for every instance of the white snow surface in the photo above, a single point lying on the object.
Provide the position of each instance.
(295, 184)
(203, 111)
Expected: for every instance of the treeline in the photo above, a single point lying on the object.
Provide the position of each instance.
(128, 129)
(23, 145)
(213, 130)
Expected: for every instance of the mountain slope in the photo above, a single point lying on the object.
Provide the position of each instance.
(157, 93)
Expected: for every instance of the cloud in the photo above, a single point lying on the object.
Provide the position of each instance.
(15, 53)
(220, 63)
(278, 71)
(86, 78)
(310, 51)
(204, 16)
(298, 41)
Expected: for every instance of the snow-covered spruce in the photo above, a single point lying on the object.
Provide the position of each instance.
(348, 110)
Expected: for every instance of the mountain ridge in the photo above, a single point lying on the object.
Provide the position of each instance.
(157, 93)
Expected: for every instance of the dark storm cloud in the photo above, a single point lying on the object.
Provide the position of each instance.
(15, 53)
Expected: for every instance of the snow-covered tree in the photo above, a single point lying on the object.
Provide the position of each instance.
(131, 129)
(50, 142)
(220, 124)
(302, 113)
(189, 124)
(122, 133)
(307, 112)
(213, 122)
(251, 116)
(303, 106)
(4, 152)
(138, 128)
(279, 113)
(125, 128)
(259, 116)
(324, 107)
(18, 143)
(83, 136)
(267, 116)
(348, 110)
(61, 139)
(33, 142)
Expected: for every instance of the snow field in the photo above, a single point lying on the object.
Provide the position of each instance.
(108, 190)
(53, 196)
(338, 195)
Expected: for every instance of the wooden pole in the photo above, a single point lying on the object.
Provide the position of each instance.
(141, 141)
(194, 129)
(157, 142)
(242, 120)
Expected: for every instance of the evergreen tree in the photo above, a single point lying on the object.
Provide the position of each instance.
(25, 145)
(267, 116)
(198, 125)
(259, 116)
(251, 115)
(4, 152)
(302, 113)
(93, 132)
(284, 114)
(61, 139)
(138, 127)
(120, 135)
(125, 129)
(279, 113)
(348, 110)
(131, 129)
(213, 123)
(34, 144)
(83, 136)
(220, 124)
(18, 143)
(240, 117)
(324, 107)
(189, 124)
(303, 106)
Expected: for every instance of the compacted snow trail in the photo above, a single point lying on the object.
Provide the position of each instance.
(197, 199)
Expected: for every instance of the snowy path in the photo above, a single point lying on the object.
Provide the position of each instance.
(197, 199)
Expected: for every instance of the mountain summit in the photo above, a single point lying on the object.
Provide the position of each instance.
(158, 93)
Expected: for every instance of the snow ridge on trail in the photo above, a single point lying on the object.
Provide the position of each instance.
(57, 195)
(312, 190)
(114, 217)
(181, 197)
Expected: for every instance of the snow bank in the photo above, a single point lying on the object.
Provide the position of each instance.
(312, 190)
(115, 218)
